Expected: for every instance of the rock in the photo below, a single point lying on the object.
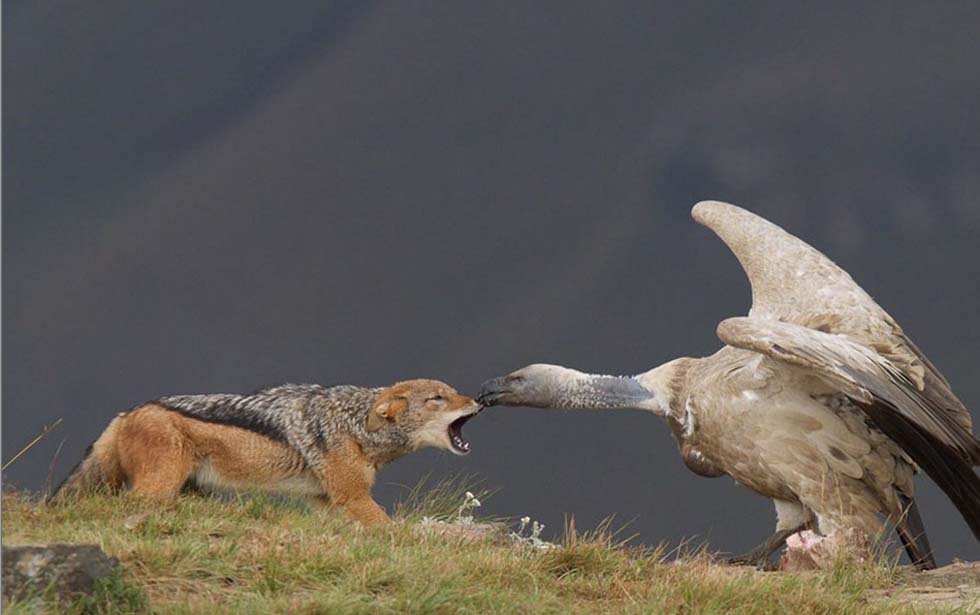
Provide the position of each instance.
(135, 522)
(69, 570)
(957, 574)
(955, 586)
(469, 531)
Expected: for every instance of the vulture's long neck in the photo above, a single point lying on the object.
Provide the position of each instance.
(647, 391)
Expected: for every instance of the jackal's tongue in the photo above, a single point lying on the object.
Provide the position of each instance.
(456, 434)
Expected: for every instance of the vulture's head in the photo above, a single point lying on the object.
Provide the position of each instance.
(534, 386)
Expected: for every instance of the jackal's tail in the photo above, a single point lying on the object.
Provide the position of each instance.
(98, 469)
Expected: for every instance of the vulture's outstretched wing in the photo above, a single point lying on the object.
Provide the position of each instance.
(793, 282)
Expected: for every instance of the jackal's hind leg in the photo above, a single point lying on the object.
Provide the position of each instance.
(154, 454)
(161, 482)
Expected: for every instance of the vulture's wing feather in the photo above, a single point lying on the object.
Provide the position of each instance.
(922, 428)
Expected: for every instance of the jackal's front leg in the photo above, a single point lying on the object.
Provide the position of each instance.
(347, 477)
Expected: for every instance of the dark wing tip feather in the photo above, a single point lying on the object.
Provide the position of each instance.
(912, 532)
(940, 461)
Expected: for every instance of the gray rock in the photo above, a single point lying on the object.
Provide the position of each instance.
(69, 570)
(956, 586)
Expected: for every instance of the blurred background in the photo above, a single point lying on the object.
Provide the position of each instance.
(211, 197)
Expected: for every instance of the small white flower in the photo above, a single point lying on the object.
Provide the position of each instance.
(470, 502)
(534, 539)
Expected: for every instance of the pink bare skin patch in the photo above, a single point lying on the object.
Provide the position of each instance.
(809, 550)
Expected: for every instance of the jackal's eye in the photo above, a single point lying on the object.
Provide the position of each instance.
(435, 398)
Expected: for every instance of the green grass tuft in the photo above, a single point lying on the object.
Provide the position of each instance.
(440, 500)
(113, 595)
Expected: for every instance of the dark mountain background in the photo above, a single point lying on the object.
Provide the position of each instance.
(210, 197)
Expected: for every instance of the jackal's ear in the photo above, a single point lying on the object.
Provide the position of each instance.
(387, 408)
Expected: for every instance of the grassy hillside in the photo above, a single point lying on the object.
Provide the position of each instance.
(260, 555)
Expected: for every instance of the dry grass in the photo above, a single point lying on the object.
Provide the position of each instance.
(260, 555)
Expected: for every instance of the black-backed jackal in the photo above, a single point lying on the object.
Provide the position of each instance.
(295, 438)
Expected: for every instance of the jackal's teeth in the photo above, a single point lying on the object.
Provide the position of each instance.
(455, 432)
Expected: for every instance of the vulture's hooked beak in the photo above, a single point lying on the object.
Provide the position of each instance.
(495, 392)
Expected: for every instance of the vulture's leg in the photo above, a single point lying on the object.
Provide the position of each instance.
(759, 556)
(791, 518)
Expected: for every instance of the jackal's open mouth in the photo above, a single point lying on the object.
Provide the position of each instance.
(456, 439)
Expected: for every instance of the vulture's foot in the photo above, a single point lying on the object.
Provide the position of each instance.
(756, 560)
(759, 556)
